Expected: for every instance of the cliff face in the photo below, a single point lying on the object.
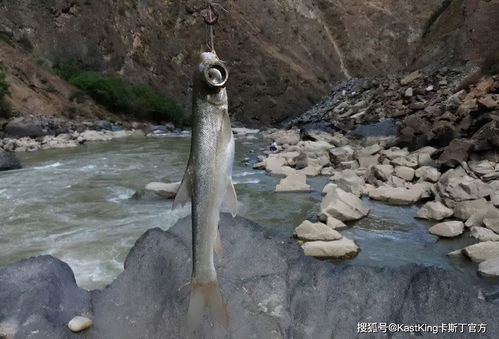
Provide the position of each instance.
(283, 54)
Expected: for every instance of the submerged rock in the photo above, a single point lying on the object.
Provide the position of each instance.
(9, 161)
(280, 293)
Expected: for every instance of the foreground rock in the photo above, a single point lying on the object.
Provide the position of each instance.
(482, 251)
(164, 190)
(343, 206)
(434, 210)
(293, 183)
(282, 293)
(9, 161)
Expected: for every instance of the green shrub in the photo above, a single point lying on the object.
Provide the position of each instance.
(121, 97)
(68, 68)
(4, 90)
(5, 38)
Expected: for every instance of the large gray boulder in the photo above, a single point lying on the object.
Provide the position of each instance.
(271, 288)
(9, 161)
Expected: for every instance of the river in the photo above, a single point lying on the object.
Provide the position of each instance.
(78, 205)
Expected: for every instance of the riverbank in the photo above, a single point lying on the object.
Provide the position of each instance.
(282, 292)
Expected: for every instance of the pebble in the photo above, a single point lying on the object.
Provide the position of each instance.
(79, 323)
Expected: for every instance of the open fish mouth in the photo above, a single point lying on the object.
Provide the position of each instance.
(216, 74)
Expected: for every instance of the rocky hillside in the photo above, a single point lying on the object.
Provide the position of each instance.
(284, 54)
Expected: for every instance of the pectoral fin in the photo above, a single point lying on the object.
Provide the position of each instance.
(183, 195)
(231, 198)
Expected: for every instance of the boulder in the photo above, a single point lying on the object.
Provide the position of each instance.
(382, 172)
(334, 223)
(366, 161)
(309, 231)
(409, 161)
(90, 135)
(405, 173)
(434, 210)
(491, 219)
(328, 188)
(463, 210)
(397, 195)
(482, 251)
(311, 170)
(327, 171)
(24, 127)
(369, 150)
(456, 185)
(277, 166)
(455, 153)
(284, 137)
(300, 161)
(427, 173)
(348, 181)
(293, 183)
(343, 205)
(489, 268)
(353, 164)
(483, 234)
(341, 154)
(338, 249)
(281, 293)
(487, 137)
(448, 229)
(164, 190)
(9, 161)
(395, 152)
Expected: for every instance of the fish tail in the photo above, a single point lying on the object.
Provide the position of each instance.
(203, 295)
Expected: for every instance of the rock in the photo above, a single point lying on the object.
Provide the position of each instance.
(405, 173)
(335, 223)
(164, 190)
(482, 167)
(327, 171)
(328, 188)
(408, 92)
(366, 161)
(90, 135)
(79, 323)
(338, 249)
(395, 152)
(456, 153)
(489, 268)
(311, 171)
(301, 161)
(487, 137)
(494, 198)
(284, 137)
(397, 195)
(491, 219)
(456, 185)
(383, 172)
(483, 234)
(456, 253)
(434, 210)
(277, 166)
(369, 150)
(309, 231)
(394, 181)
(341, 154)
(427, 173)
(280, 292)
(9, 161)
(410, 78)
(465, 209)
(343, 205)
(482, 251)
(24, 127)
(348, 181)
(353, 165)
(409, 161)
(448, 229)
(293, 183)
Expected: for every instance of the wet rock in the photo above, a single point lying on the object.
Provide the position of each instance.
(9, 161)
(434, 210)
(448, 229)
(338, 249)
(489, 267)
(293, 183)
(405, 173)
(397, 195)
(309, 231)
(483, 234)
(427, 173)
(482, 251)
(79, 323)
(343, 205)
(164, 190)
(348, 181)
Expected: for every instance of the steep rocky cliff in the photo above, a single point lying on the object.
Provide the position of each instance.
(283, 54)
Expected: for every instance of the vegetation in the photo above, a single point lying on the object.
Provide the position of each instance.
(5, 38)
(4, 90)
(119, 96)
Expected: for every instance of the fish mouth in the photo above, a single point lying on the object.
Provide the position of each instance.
(216, 74)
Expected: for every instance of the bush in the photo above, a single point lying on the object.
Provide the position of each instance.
(121, 97)
(4, 90)
(68, 68)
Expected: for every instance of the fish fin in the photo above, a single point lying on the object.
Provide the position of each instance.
(231, 198)
(206, 295)
(218, 245)
(183, 195)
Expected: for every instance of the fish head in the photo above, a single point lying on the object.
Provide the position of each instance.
(212, 72)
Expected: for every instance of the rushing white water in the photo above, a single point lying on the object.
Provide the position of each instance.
(79, 206)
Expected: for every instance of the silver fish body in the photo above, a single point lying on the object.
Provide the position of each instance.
(207, 183)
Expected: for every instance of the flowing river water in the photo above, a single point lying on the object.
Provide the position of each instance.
(78, 205)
